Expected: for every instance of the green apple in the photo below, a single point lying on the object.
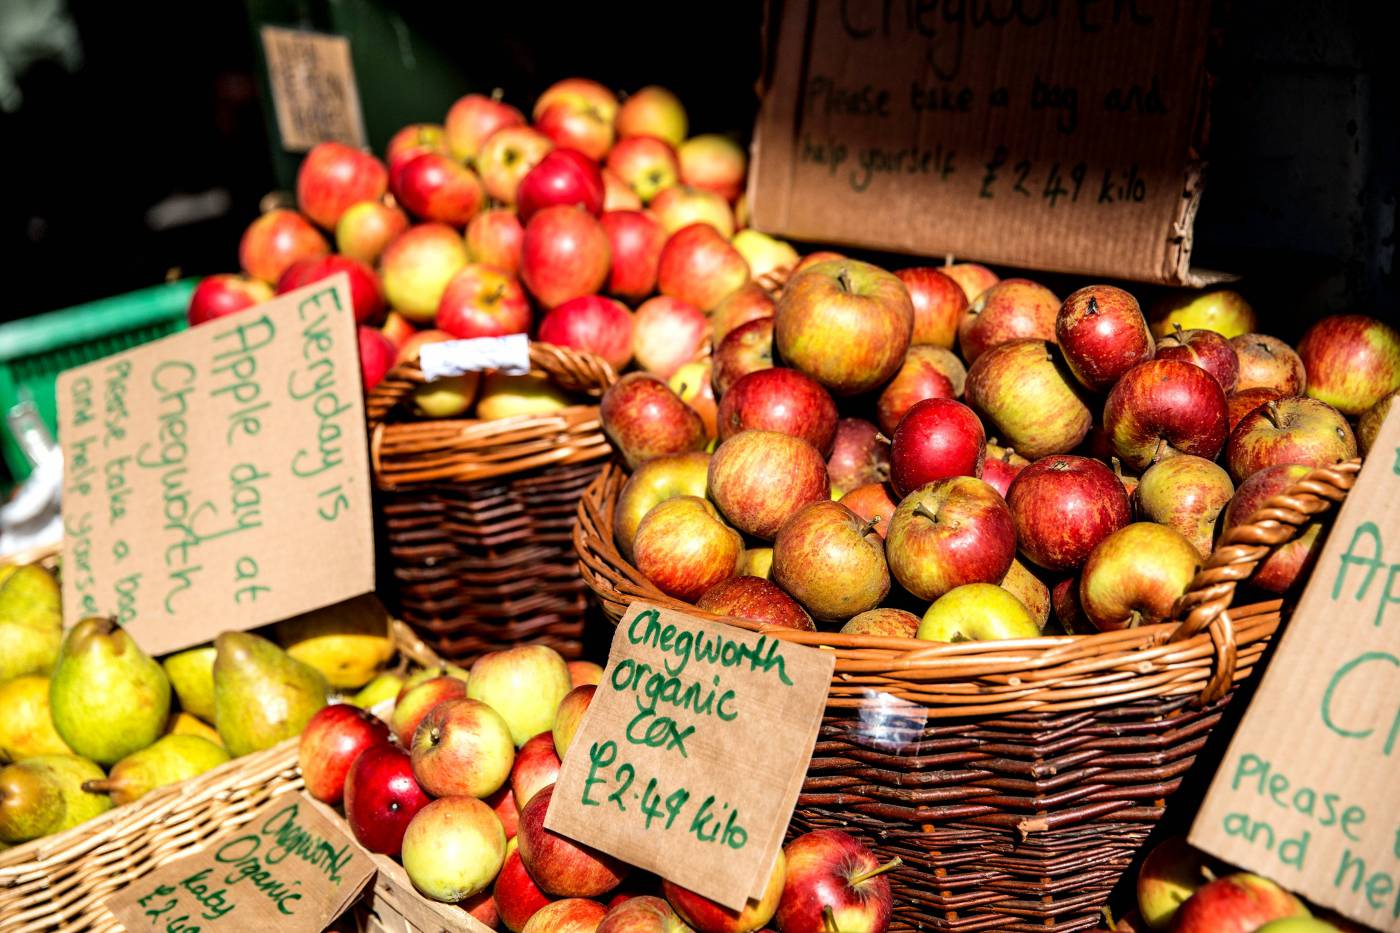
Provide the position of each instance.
(453, 848)
(524, 684)
(977, 612)
(763, 252)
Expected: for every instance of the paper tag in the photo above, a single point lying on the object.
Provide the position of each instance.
(690, 758)
(1306, 794)
(313, 88)
(509, 355)
(292, 868)
(203, 471)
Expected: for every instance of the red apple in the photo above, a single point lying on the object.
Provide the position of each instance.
(844, 323)
(971, 277)
(684, 549)
(831, 560)
(580, 94)
(416, 267)
(571, 915)
(1239, 903)
(366, 227)
(517, 896)
(668, 333)
(482, 908)
(760, 479)
(1063, 506)
(536, 767)
(482, 301)
(381, 797)
(713, 163)
(561, 866)
(1135, 576)
(564, 176)
(1026, 392)
(593, 323)
(640, 914)
(645, 164)
(652, 483)
(949, 533)
(860, 455)
(616, 195)
(330, 744)
(365, 296)
(414, 140)
(1001, 466)
(700, 267)
(644, 419)
(1064, 599)
(376, 356)
(748, 302)
(1170, 874)
(1203, 348)
(1352, 361)
(333, 176)
(748, 348)
(636, 241)
(565, 254)
(1186, 493)
(582, 130)
(462, 748)
(680, 206)
(883, 623)
(1269, 363)
(399, 331)
(472, 119)
(219, 295)
(783, 400)
(410, 347)
(939, 306)
(1288, 430)
(583, 674)
(927, 372)
(1288, 563)
(495, 238)
(692, 383)
(1102, 333)
(435, 188)
(705, 916)
(569, 716)
(1242, 402)
(938, 438)
(756, 599)
(834, 882)
(502, 803)
(416, 701)
(276, 240)
(812, 258)
(1012, 309)
(507, 156)
(873, 503)
(652, 111)
(1164, 407)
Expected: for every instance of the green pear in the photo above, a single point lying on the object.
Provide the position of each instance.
(26, 727)
(44, 795)
(31, 620)
(108, 697)
(191, 673)
(171, 759)
(262, 695)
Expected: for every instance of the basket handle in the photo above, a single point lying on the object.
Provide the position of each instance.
(412, 647)
(1206, 603)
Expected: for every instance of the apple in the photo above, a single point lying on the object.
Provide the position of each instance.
(1102, 334)
(399, 331)
(971, 277)
(1203, 348)
(366, 227)
(365, 297)
(1012, 309)
(276, 240)
(756, 599)
(570, 915)
(782, 400)
(1135, 576)
(1026, 392)
(939, 306)
(927, 372)
(414, 140)
(749, 302)
(705, 916)
(617, 196)
(636, 241)
(218, 295)
(748, 348)
(570, 714)
(334, 176)
(1352, 361)
(757, 562)
(436, 189)
(504, 396)
(644, 420)
(376, 356)
(381, 797)
(1269, 363)
(873, 503)
(644, 914)
(834, 882)
(563, 176)
(331, 742)
(1164, 407)
(1287, 563)
(481, 907)
(482, 301)
(652, 111)
(883, 623)
(1309, 925)
(1224, 311)
(561, 866)
(937, 438)
(680, 206)
(860, 455)
(583, 130)
(453, 848)
(583, 674)
(1170, 874)
(593, 323)
(831, 560)
(416, 700)
(1240, 403)
(844, 323)
(517, 896)
(524, 684)
(507, 156)
(1239, 903)
(713, 163)
(652, 483)
(764, 254)
(431, 673)
(1001, 466)
(700, 267)
(1064, 600)
(1063, 506)
(683, 548)
(565, 254)
(760, 479)
(1288, 430)
(462, 748)
(949, 533)
(416, 267)
(1368, 426)
(811, 259)
(645, 164)
(692, 383)
(579, 93)
(494, 238)
(1029, 590)
(446, 396)
(471, 120)
(1188, 494)
(977, 612)
(502, 803)
(537, 765)
(667, 334)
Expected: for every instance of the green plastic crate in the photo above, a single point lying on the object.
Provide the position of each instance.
(34, 350)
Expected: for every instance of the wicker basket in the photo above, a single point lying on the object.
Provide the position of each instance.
(479, 515)
(1016, 780)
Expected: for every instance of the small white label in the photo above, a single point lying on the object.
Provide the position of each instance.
(509, 355)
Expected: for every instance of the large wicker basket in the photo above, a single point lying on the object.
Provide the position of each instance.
(1016, 780)
(479, 515)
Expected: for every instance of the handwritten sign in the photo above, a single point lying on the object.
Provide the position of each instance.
(1052, 136)
(1306, 794)
(219, 478)
(291, 868)
(313, 88)
(690, 758)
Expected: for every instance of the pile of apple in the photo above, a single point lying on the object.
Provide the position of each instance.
(456, 786)
(939, 454)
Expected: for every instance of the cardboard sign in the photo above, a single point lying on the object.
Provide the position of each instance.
(396, 907)
(313, 88)
(219, 478)
(1058, 136)
(690, 758)
(1306, 794)
(292, 868)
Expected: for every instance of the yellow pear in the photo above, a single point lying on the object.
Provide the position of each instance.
(172, 758)
(26, 726)
(262, 695)
(348, 643)
(108, 697)
(183, 723)
(44, 795)
(384, 687)
(191, 673)
(31, 620)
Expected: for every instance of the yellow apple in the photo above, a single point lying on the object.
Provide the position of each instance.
(763, 252)
(447, 397)
(977, 612)
(505, 396)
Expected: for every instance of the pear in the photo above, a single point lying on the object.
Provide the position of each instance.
(349, 642)
(183, 723)
(171, 759)
(26, 728)
(31, 620)
(191, 673)
(44, 795)
(261, 694)
(108, 697)
(384, 687)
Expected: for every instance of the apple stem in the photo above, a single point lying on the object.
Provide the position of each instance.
(877, 870)
(1134, 619)
(1157, 454)
(1118, 465)
(1007, 453)
(1207, 873)
(1271, 412)
(947, 259)
(880, 436)
(1177, 326)
(926, 512)
(844, 278)
(870, 525)
(829, 920)
(498, 93)
(682, 389)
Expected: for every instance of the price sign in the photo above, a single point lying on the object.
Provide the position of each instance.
(690, 758)
(313, 88)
